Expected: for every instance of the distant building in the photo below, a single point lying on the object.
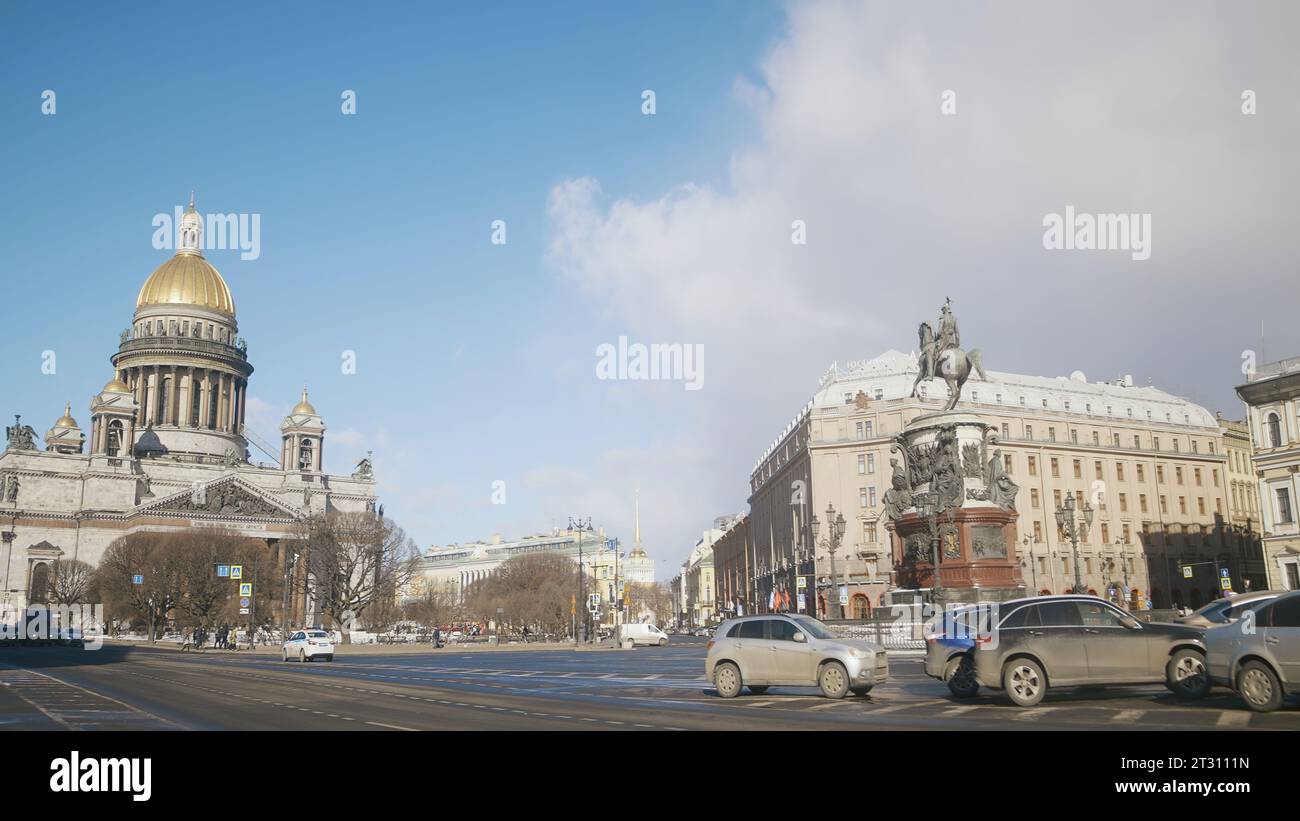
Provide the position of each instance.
(1272, 397)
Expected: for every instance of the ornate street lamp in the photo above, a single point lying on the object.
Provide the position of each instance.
(1074, 529)
(581, 525)
(836, 524)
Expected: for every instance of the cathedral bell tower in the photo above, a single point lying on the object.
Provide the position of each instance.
(112, 421)
(303, 436)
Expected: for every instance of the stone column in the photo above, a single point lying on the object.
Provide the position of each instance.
(149, 375)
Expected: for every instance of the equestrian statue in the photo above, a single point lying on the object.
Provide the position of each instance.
(943, 356)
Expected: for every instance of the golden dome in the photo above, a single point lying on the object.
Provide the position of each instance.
(187, 279)
(66, 421)
(303, 407)
(115, 385)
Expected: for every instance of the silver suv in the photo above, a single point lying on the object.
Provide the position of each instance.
(1259, 655)
(1065, 641)
(791, 650)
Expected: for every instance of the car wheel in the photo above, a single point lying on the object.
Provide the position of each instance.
(302, 656)
(663, 642)
(726, 680)
(1185, 674)
(1259, 688)
(960, 675)
(758, 689)
(833, 679)
(330, 657)
(862, 691)
(1024, 682)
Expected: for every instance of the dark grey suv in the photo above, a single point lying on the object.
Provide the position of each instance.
(1063, 641)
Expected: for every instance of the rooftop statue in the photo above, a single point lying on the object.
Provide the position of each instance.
(942, 356)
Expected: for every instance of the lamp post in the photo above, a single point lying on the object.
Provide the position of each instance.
(577, 523)
(835, 527)
(287, 597)
(1033, 571)
(1074, 528)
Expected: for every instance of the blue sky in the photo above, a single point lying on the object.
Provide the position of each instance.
(476, 362)
(375, 228)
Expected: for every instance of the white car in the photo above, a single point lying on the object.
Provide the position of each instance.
(644, 634)
(306, 645)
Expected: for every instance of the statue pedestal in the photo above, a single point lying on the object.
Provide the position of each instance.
(960, 497)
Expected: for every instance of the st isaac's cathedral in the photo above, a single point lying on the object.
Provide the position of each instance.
(165, 448)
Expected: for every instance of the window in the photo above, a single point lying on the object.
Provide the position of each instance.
(1105, 533)
(1164, 505)
(114, 447)
(1119, 471)
(1006, 431)
(1022, 401)
(1117, 440)
(1284, 505)
(1096, 469)
(1182, 504)
(752, 629)
(1126, 534)
(848, 398)
(1096, 438)
(304, 455)
(1160, 474)
(1038, 531)
(1007, 463)
(869, 425)
(1123, 503)
(1196, 473)
(1200, 505)
(1137, 442)
(1274, 431)
(862, 464)
(1096, 615)
(1176, 446)
(1044, 402)
(1141, 474)
(783, 630)
(1078, 469)
(1178, 474)
(1029, 432)
(1074, 435)
(879, 393)
(862, 430)
(1056, 496)
(1056, 468)
(999, 398)
(1033, 497)
(1051, 434)
(1142, 502)
(869, 532)
(1215, 473)
(871, 463)
(1067, 404)
(1033, 466)
(1059, 614)
(1195, 447)
(862, 497)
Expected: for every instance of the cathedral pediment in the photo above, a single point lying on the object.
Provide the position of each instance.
(226, 497)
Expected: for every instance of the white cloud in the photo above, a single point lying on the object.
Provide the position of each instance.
(1111, 107)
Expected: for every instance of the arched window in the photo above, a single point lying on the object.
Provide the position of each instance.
(114, 445)
(304, 455)
(861, 607)
(39, 592)
(1274, 431)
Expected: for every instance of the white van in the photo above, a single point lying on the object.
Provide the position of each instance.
(644, 634)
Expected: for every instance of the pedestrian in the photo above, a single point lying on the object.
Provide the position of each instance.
(437, 637)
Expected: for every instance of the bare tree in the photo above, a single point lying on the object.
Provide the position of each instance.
(433, 608)
(532, 590)
(654, 599)
(354, 561)
(70, 581)
(160, 573)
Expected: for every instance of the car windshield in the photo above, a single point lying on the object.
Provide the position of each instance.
(814, 628)
(1214, 611)
(319, 635)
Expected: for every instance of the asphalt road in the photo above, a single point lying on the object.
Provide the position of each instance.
(50, 688)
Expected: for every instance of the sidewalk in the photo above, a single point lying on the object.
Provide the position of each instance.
(368, 649)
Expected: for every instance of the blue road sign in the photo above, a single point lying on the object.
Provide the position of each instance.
(223, 570)
(1223, 572)
(137, 579)
(243, 602)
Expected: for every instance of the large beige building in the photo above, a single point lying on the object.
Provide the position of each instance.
(165, 447)
(1152, 464)
(1242, 498)
(1272, 397)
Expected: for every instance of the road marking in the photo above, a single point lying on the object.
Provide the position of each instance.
(956, 711)
(392, 726)
(1034, 714)
(759, 703)
(1233, 718)
(828, 705)
(1128, 715)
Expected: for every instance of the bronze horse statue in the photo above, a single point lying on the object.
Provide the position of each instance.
(953, 364)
